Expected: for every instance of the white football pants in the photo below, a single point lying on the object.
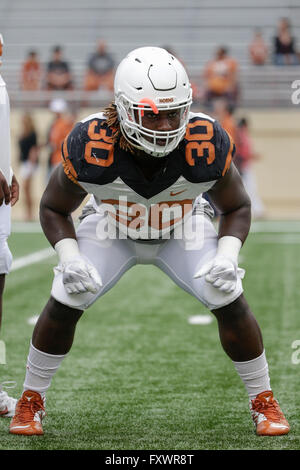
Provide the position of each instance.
(179, 258)
(5, 225)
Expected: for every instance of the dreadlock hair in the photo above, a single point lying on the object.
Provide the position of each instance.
(111, 114)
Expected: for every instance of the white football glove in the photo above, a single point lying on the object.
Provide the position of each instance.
(223, 271)
(79, 275)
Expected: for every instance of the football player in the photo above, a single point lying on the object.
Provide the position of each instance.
(9, 194)
(145, 161)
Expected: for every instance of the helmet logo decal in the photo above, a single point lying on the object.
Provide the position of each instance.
(166, 100)
(150, 103)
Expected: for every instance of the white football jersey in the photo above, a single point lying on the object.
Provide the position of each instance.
(138, 207)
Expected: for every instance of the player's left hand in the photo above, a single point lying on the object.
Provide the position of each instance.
(222, 273)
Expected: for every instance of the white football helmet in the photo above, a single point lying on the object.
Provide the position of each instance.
(150, 78)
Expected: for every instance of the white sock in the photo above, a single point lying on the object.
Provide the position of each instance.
(40, 369)
(255, 375)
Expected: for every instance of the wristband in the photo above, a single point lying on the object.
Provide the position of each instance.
(229, 247)
(67, 249)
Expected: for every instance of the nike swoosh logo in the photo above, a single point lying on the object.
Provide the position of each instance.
(21, 427)
(279, 426)
(178, 192)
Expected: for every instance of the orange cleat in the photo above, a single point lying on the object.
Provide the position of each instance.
(267, 415)
(29, 413)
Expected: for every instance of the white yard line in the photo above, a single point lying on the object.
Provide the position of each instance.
(32, 258)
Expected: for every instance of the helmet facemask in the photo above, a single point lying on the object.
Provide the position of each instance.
(131, 116)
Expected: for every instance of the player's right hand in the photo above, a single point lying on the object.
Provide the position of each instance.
(80, 276)
(4, 190)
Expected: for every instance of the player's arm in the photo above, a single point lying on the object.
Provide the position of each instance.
(60, 199)
(230, 198)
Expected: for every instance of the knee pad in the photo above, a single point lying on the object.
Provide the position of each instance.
(5, 257)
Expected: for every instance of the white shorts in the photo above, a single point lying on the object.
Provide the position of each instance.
(5, 227)
(178, 258)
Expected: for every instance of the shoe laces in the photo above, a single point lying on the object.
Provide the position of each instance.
(269, 408)
(26, 409)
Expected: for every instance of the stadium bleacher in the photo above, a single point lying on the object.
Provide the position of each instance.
(193, 28)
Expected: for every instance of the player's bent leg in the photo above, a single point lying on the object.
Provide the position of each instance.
(55, 328)
(241, 339)
(52, 339)
(54, 332)
(239, 332)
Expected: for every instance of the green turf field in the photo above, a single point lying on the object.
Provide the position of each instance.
(139, 376)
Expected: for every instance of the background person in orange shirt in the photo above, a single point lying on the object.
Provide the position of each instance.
(224, 113)
(59, 129)
(245, 157)
(31, 73)
(220, 75)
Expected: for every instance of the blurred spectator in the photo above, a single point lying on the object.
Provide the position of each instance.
(58, 72)
(28, 156)
(59, 129)
(284, 45)
(31, 74)
(245, 156)
(258, 49)
(224, 113)
(100, 71)
(220, 75)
